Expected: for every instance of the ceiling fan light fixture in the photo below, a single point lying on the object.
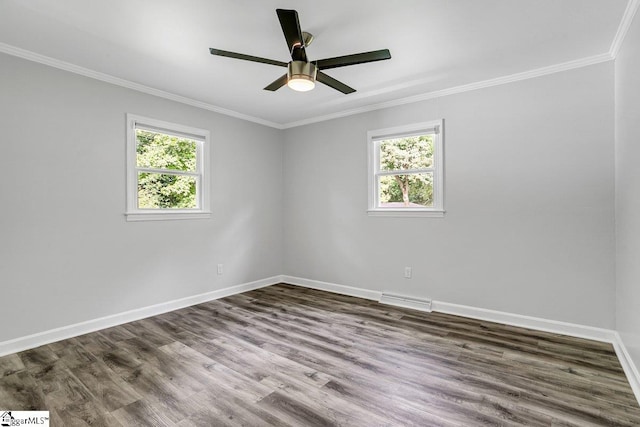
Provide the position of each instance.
(301, 76)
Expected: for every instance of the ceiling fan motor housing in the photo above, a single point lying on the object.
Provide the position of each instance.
(302, 70)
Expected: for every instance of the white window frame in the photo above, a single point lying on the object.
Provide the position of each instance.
(201, 136)
(374, 138)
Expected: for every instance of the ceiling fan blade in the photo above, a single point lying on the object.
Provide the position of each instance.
(292, 33)
(277, 84)
(228, 54)
(357, 58)
(331, 82)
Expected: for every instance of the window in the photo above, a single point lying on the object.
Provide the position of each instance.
(167, 170)
(406, 170)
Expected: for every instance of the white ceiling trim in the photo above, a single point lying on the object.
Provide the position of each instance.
(623, 28)
(459, 89)
(76, 69)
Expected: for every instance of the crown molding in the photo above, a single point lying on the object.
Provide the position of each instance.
(632, 7)
(538, 72)
(623, 28)
(76, 69)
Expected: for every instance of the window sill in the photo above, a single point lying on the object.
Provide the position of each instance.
(406, 213)
(165, 216)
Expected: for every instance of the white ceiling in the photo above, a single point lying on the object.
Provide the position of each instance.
(435, 45)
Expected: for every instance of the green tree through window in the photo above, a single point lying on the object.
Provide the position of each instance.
(411, 188)
(159, 155)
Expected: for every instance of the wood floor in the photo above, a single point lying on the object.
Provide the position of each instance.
(285, 355)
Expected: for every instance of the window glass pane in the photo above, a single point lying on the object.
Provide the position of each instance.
(166, 191)
(406, 191)
(160, 151)
(415, 152)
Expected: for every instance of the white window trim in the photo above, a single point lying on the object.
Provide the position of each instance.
(133, 213)
(374, 137)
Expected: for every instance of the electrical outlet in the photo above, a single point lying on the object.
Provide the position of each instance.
(220, 269)
(407, 272)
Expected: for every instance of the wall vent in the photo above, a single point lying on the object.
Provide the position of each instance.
(421, 304)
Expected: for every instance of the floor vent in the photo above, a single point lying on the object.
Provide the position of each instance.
(405, 301)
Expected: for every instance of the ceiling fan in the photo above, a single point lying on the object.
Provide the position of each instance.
(302, 73)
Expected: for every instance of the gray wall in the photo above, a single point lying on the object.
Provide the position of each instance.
(67, 254)
(529, 227)
(627, 156)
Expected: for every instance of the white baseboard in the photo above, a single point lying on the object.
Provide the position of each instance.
(536, 323)
(70, 331)
(332, 287)
(630, 369)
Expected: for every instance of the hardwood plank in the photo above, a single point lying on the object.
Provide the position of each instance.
(106, 386)
(141, 413)
(213, 409)
(62, 388)
(38, 358)
(166, 398)
(21, 392)
(377, 401)
(147, 332)
(116, 333)
(74, 355)
(86, 413)
(216, 377)
(96, 344)
(10, 365)
(295, 412)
